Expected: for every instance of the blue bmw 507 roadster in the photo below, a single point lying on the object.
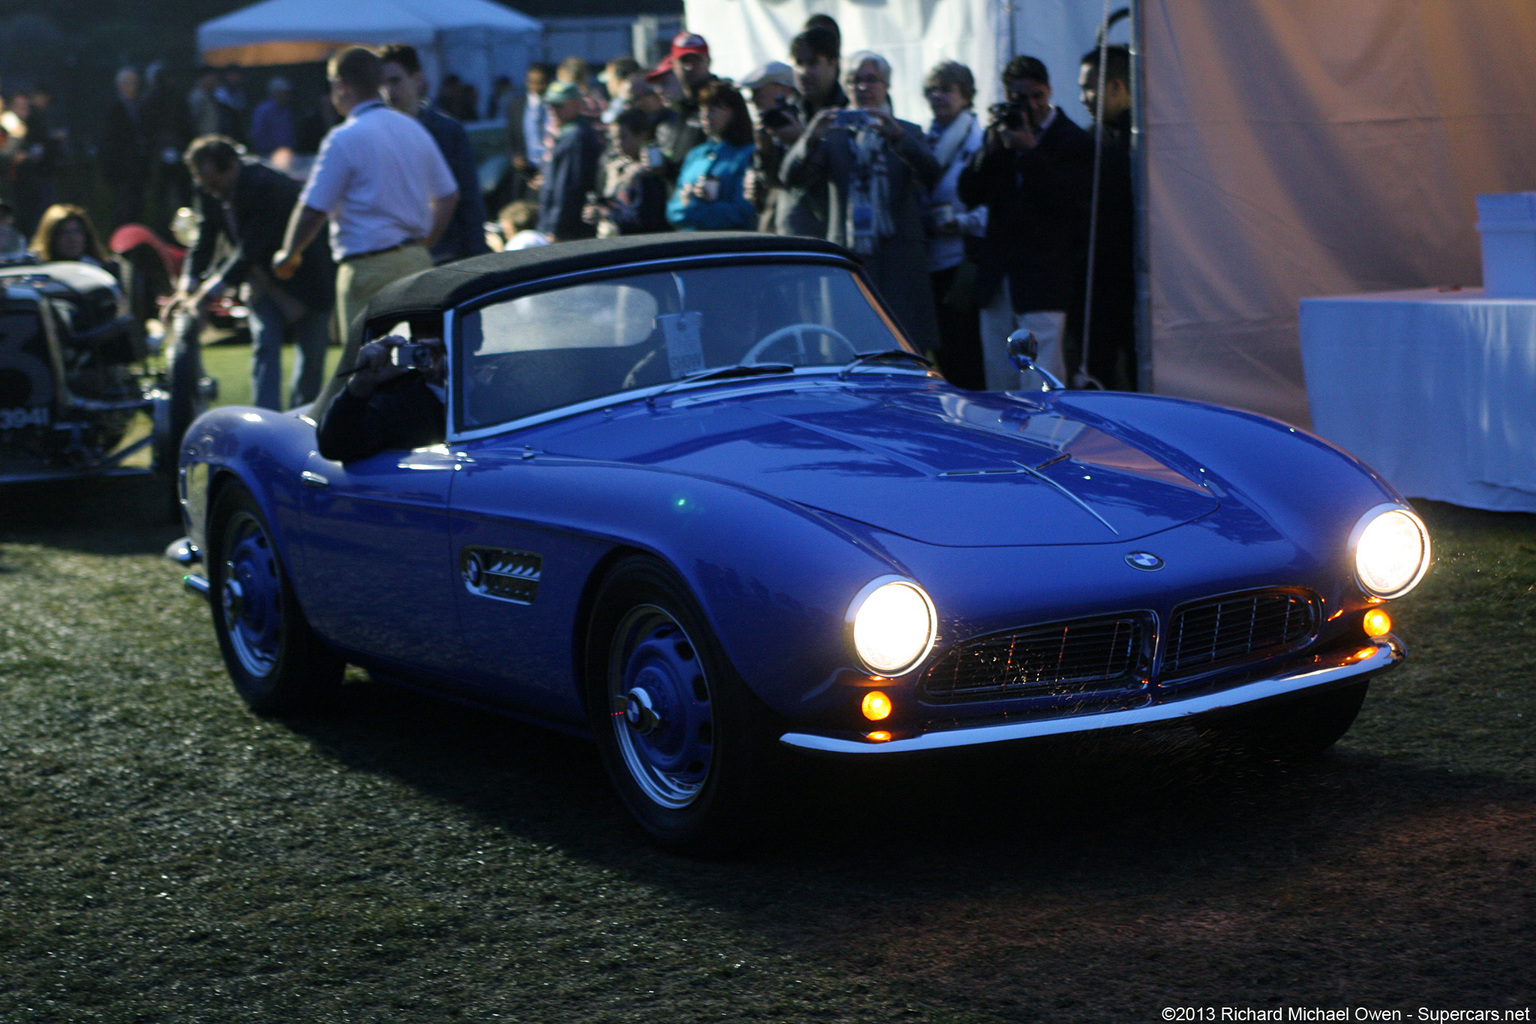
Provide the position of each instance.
(699, 498)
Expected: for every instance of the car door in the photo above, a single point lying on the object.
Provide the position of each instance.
(380, 574)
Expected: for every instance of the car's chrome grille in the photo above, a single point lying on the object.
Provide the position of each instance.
(1082, 656)
(1237, 628)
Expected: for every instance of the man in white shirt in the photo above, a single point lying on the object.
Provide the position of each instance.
(386, 189)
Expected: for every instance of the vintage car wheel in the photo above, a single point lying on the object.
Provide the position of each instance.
(672, 718)
(1306, 725)
(798, 333)
(277, 663)
(183, 373)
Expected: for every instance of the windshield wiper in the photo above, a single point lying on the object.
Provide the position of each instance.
(890, 353)
(723, 373)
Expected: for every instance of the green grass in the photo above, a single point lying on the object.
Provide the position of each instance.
(165, 856)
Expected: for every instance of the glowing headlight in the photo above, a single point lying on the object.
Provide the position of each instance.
(1391, 551)
(894, 625)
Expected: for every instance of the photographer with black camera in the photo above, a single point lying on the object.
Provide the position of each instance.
(774, 98)
(394, 399)
(1033, 174)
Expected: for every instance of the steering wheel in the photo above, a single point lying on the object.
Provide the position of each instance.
(798, 332)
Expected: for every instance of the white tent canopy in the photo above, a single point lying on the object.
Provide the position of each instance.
(474, 39)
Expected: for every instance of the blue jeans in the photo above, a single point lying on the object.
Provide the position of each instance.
(310, 334)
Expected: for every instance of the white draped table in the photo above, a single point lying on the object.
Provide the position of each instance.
(1434, 389)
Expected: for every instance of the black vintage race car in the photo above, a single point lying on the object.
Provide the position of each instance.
(82, 392)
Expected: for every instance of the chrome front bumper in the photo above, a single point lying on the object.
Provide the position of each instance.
(1375, 656)
(185, 554)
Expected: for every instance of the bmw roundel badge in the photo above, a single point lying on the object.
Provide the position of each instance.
(1144, 560)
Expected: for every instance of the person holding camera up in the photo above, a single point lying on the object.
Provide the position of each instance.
(771, 89)
(1032, 173)
(393, 399)
(874, 169)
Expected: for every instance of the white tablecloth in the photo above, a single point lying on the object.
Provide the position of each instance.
(1435, 390)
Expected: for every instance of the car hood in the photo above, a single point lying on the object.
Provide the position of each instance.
(927, 462)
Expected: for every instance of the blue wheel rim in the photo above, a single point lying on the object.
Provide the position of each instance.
(663, 713)
(251, 595)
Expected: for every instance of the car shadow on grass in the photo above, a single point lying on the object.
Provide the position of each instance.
(1102, 802)
(955, 879)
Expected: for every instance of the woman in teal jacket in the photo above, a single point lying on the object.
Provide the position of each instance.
(709, 195)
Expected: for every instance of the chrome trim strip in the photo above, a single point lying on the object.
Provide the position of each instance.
(1389, 651)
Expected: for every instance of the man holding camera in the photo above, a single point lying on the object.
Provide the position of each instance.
(1033, 174)
(772, 91)
(394, 399)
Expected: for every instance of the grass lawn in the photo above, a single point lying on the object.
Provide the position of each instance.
(165, 856)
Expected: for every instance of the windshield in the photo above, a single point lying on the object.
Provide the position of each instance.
(547, 349)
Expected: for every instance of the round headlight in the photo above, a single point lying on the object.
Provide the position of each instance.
(1391, 551)
(894, 625)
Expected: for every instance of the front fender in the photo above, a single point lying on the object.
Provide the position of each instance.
(773, 579)
(261, 448)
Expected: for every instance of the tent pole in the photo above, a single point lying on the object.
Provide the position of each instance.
(1144, 375)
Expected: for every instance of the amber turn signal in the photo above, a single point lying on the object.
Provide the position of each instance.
(1377, 623)
(878, 736)
(876, 706)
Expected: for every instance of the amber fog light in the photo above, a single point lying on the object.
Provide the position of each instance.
(1377, 623)
(876, 706)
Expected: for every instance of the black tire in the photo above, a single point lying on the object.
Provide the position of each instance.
(275, 660)
(1306, 725)
(183, 376)
(682, 739)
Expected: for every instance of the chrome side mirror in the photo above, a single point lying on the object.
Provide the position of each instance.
(1023, 348)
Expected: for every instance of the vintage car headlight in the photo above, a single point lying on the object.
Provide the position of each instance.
(1391, 549)
(893, 624)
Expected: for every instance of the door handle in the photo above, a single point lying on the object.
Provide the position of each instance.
(314, 479)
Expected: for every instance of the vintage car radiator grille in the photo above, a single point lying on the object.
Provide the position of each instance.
(1078, 657)
(1238, 627)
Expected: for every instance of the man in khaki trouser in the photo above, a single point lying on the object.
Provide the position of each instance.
(383, 184)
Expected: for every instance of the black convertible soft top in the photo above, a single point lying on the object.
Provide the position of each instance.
(447, 286)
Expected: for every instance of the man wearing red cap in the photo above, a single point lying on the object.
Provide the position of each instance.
(689, 64)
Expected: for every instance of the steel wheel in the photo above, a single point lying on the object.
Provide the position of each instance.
(686, 745)
(663, 718)
(275, 660)
(251, 596)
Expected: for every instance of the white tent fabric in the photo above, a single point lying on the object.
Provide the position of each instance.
(1308, 149)
(913, 35)
(474, 39)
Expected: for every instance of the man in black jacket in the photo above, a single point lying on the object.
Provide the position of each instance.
(1111, 328)
(570, 166)
(1033, 175)
(245, 203)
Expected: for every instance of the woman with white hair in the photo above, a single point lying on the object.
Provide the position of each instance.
(875, 170)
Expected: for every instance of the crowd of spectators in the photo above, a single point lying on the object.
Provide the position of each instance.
(970, 227)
